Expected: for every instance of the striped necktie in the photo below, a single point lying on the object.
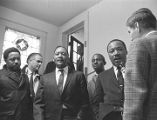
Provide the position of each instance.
(120, 81)
(61, 80)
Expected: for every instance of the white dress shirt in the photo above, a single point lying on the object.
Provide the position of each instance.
(35, 81)
(65, 71)
(116, 71)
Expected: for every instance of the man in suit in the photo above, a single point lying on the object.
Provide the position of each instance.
(98, 62)
(62, 94)
(15, 101)
(109, 85)
(141, 76)
(34, 62)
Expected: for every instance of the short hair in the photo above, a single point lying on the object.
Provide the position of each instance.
(114, 40)
(144, 17)
(61, 47)
(32, 55)
(9, 50)
(102, 57)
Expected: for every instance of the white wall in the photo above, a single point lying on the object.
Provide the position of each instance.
(73, 25)
(15, 19)
(79, 35)
(106, 21)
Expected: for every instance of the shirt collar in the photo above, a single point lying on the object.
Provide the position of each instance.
(65, 69)
(95, 74)
(28, 71)
(116, 69)
(153, 31)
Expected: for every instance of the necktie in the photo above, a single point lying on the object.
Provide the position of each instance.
(120, 77)
(120, 81)
(60, 81)
(32, 94)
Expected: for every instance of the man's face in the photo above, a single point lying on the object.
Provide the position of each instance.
(133, 32)
(60, 57)
(97, 62)
(117, 53)
(35, 63)
(13, 61)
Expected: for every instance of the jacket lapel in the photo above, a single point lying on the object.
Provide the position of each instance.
(67, 81)
(69, 77)
(23, 79)
(13, 76)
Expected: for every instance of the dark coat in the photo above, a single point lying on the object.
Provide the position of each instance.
(35, 109)
(108, 93)
(74, 96)
(15, 101)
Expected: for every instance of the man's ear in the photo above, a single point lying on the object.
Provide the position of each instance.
(137, 26)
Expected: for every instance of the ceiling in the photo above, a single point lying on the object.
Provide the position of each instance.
(56, 12)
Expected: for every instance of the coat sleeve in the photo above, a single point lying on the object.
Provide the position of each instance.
(39, 102)
(136, 78)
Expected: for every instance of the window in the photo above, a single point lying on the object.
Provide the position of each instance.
(24, 42)
(75, 50)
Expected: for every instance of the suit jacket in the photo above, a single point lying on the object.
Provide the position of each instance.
(74, 96)
(141, 79)
(91, 88)
(15, 101)
(108, 93)
(37, 78)
(91, 91)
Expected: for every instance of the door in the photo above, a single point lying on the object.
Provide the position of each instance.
(76, 52)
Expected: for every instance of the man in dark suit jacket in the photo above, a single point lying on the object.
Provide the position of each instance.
(15, 101)
(62, 98)
(109, 90)
(34, 62)
(141, 67)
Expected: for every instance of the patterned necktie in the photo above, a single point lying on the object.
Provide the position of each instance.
(120, 77)
(32, 94)
(60, 81)
(120, 81)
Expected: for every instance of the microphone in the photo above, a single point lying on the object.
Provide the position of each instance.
(122, 66)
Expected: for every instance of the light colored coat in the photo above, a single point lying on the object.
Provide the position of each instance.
(141, 79)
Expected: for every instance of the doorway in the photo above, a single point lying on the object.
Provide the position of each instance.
(79, 34)
(76, 52)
